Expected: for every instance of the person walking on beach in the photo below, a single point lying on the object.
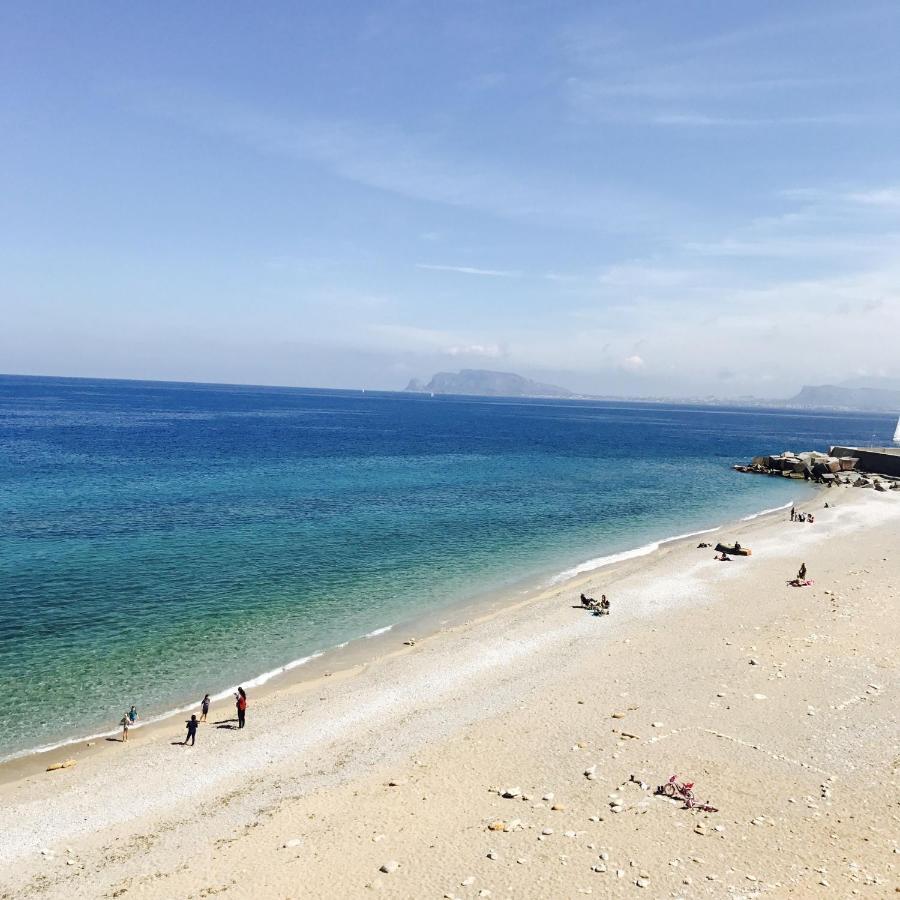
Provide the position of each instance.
(241, 706)
(126, 724)
(204, 707)
(192, 724)
(133, 714)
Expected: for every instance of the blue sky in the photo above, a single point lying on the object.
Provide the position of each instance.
(627, 198)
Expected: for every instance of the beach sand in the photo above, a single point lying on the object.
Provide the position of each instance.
(780, 703)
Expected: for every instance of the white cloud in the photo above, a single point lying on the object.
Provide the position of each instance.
(488, 351)
(469, 270)
(633, 363)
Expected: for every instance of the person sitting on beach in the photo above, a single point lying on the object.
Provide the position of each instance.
(126, 724)
(811, 518)
(191, 736)
(602, 608)
(737, 547)
(204, 707)
(723, 557)
(588, 602)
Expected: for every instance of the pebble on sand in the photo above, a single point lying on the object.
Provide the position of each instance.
(389, 867)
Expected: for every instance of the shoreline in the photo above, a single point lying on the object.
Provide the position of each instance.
(360, 652)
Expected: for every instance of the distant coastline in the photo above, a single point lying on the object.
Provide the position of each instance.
(811, 398)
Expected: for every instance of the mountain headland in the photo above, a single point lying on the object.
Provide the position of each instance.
(486, 383)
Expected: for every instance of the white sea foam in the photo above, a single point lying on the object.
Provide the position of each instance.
(766, 512)
(378, 631)
(601, 562)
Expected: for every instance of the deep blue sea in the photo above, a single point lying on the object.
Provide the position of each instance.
(160, 540)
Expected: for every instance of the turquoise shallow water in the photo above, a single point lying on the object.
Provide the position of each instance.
(163, 540)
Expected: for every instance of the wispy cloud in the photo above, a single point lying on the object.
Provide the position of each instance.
(469, 270)
(414, 165)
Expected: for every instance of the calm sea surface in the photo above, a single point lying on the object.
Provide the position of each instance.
(162, 540)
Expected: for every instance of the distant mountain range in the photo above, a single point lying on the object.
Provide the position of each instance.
(863, 394)
(833, 396)
(485, 383)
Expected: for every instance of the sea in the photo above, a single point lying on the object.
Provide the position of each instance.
(163, 540)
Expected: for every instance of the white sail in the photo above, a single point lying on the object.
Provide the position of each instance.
(897, 433)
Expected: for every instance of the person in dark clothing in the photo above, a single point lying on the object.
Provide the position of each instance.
(192, 725)
(204, 707)
(801, 575)
(241, 707)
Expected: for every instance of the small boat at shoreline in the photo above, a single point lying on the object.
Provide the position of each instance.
(735, 550)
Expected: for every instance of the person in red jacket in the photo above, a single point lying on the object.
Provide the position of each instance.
(241, 706)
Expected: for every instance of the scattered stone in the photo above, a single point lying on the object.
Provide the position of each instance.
(522, 861)
(600, 867)
(616, 808)
(492, 854)
(293, 842)
(754, 662)
(570, 834)
(657, 725)
(67, 764)
(546, 832)
(547, 797)
(377, 838)
(604, 856)
(484, 892)
(618, 715)
(467, 881)
(642, 882)
(590, 770)
(410, 643)
(558, 807)
(397, 782)
(389, 867)
(510, 793)
(760, 697)
(497, 826)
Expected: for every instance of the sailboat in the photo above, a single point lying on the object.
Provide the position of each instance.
(897, 433)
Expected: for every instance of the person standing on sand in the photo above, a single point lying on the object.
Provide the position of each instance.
(126, 724)
(241, 706)
(133, 714)
(192, 724)
(204, 707)
(793, 513)
(802, 573)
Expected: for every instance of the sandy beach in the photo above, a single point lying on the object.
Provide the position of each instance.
(779, 703)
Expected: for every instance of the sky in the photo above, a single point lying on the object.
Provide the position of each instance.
(624, 198)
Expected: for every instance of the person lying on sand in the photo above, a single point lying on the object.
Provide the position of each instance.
(723, 557)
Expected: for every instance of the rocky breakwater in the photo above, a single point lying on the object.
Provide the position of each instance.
(821, 468)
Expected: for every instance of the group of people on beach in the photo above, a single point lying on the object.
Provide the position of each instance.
(240, 702)
(597, 607)
(803, 517)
